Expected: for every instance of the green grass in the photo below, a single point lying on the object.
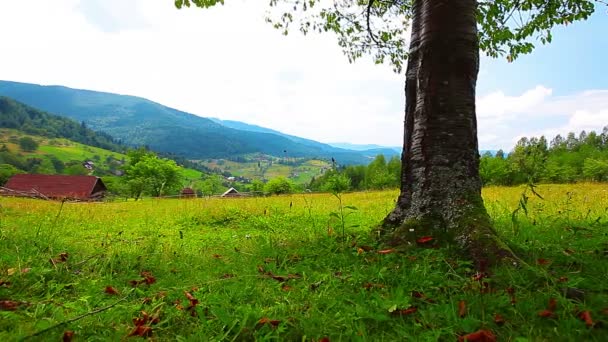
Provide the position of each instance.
(69, 151)
(224, 253)
(301, 174)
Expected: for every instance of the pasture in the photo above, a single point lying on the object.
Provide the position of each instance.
(285, 268)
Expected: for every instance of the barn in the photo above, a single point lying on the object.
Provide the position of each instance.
(232, 192)
(85, 188)
(188, 193)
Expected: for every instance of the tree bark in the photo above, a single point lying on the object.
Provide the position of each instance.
(440, 184)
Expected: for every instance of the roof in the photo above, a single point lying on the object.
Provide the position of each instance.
(230, 191)
(57, 186)
(187, 191)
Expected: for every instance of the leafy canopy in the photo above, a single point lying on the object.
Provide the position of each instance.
(506, 27)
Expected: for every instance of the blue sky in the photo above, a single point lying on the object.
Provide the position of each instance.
(226, 62)
(576, 60)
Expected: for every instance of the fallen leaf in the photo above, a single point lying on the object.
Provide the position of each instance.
(278, 278)
(366, 248)
(425, 239)
(193, 301)
(478, 276)
(586, 317)
(26, 270)
(499, 320)
(369, 286)
(62, 257)
(286, 287)
(360, 251)
(546, 314)
(563, 279)
(267, 321)
(217, 256)
(478, 336)
(148, 277)
(227, 276)
(142, 331)
(552, 304)
(568, 251)
(5, 283)
(462, 309)
(269, 260)
(11, 271)
(542, 261)
(511, 292)
(67, 336)
(405, 312)
(422, 296)
(324, 339)
(9, 305)
(387, 251)
(604, 311)
(110, 290)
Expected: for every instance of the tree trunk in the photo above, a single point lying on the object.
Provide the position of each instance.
(440, 185)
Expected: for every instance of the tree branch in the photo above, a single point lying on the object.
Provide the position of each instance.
(369, 29)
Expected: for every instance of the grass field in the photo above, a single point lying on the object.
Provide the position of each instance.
(300, 174)
(278, 268)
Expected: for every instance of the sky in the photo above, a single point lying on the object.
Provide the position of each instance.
(226, 62)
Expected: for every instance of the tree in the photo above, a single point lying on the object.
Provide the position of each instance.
(28, 144)
(279, 186)
(211, 185)
(6, 172)
(440, 183)
(148, 173)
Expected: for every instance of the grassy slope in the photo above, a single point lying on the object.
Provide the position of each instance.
(305, 172)
(69, 151)
(215, 249)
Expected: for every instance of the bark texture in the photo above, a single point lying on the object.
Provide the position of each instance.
(440, 184)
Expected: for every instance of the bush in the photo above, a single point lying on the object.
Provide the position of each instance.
(28, 144)
(278, 186)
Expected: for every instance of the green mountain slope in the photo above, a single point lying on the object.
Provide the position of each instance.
(138, 121)
(16, 115)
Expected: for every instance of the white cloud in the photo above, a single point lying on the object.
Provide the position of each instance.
(226, 62)
(505, 119)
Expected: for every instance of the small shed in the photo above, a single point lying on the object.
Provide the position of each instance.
(188, 193)
(85, 188)
(232, 192)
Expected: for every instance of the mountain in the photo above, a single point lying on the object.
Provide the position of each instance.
(15, 115)
(138, 121)
(364, 147)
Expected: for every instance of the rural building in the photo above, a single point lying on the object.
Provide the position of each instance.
(231, 193)
(188, 193)
(55, 187)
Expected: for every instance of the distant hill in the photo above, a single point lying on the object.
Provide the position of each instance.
(138, 121)
(364, 147)
(30, 120)
(56, 155)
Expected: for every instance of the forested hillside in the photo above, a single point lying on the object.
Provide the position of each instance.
(30, 120)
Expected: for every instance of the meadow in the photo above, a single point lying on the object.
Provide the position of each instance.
(289, 268)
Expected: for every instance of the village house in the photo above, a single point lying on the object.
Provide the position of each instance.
(84, 188)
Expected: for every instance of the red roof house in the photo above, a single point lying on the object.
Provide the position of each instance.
(55, 186)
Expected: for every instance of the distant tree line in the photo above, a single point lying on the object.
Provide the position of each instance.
(377, 175)
(562, 160)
